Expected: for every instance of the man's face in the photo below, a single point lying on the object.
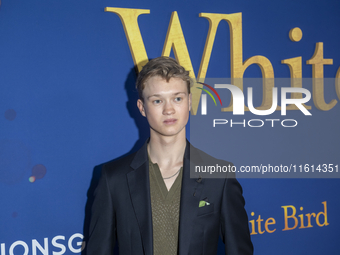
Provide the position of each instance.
(166, 105)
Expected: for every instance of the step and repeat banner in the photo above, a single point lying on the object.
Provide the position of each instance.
(266, 97)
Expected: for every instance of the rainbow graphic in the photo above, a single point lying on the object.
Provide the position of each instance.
(209, 93)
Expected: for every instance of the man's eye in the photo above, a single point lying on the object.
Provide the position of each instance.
(157, 101)
(178, 99)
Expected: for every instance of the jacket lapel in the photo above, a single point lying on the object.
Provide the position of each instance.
(139, 186)
(190, 195)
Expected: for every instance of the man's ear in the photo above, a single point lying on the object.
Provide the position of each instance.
(140, 106)
(190, 97)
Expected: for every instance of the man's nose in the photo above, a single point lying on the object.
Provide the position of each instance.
(168, 109)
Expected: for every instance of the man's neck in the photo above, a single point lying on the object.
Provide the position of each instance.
(167, 150)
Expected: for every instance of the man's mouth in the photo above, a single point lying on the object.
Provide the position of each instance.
(170, 121)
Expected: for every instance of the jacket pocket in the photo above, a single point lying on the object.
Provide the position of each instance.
(205, 209)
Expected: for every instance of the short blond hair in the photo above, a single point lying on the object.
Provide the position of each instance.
(166, 68)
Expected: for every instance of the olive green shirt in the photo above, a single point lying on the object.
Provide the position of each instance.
(165, 211)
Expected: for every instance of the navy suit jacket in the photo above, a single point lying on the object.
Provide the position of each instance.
(122, 209)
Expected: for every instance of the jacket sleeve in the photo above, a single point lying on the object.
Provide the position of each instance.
(234, 220)
(102, 234)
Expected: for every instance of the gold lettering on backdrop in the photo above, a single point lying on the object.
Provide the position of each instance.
(309, 216)
(238, 67)
(324, 214)
(317, 62)
(301, 219)
(291, 216)
(291, 220)
(252, 222)
(175, 40)
(295, 67)
(295, 34)
(337, 82)
(133, 35)
(259, 220)
(269, 221)
(235, 25)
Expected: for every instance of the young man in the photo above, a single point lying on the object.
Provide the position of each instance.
(147, 200)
